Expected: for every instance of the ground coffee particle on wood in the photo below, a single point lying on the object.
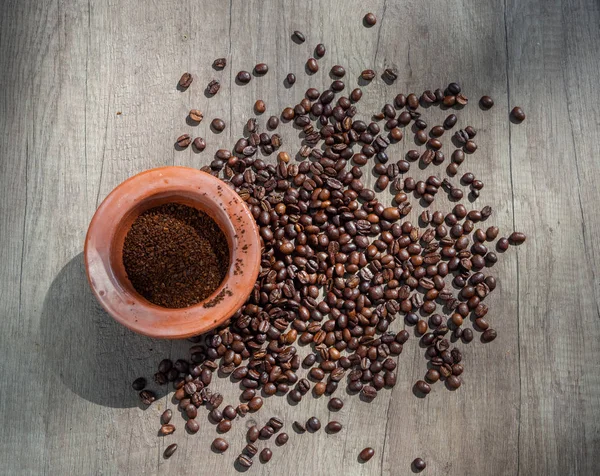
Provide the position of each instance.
(175, 255)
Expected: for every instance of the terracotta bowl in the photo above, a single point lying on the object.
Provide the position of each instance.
(112, 221)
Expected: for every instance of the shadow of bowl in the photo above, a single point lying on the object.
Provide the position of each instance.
(93, 355)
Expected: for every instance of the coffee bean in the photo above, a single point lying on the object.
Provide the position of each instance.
(299, 36)
(220, 63)
(170, 450)
(453, 382)
(366, 454)
(192, 426)
(147, 397)
(419, 464)
(186, 80)
(370, 19)
(196, 116)
(261, 68)
(253, 434)
(139, 384)
(184, 141)
(260, 106)
(220, 445)
(502, 244)
(290, 78)
(224, 426)
(199, 144)
(167, 429)
(213, 87)
(299, 427)
(251, 450)
(335, 404)
(244, 461)
(243, 77)
(367, 74)
(313, 424)
(422, 387)
(450, 121)
(320, 50)
(356, 94)
(333, 427)
(518, 114)
(390, 74)
(273, 122)
(517, 238)
(218, 125)
(454, 88)
(312, 65)
(338, 71)
(489, 335)
(486, 102)
(265, 455)
(255, 404)
(282, 439)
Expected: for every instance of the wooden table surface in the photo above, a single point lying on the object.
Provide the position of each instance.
(88, 98)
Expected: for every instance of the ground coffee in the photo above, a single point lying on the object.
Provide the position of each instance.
(175, 256)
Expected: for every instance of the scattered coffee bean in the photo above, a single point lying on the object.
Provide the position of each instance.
(213, 87)
(170, 450)
(184, 141)
(299, 36)
(517, 238)
(244, 77)
(291, 78)
(486, 102)
(261, 68)
(192, 426)
(518, 114)
(196, 115)
(312, 65)
(419, 464)
(320, 50)
(366, 454)
(199, 144)
(423, 387)
(265, 455)
(244, 461)
(186, 80)
(139, 384)
(370, 19)
(335, 404)
(260, 106)
(167, 429)
(218, 125)
(313, 424)
(220, 445)
(220, 63)
(333, 427)
(147, 397)
(282, 439)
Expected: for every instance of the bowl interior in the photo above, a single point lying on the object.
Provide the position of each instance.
(200, 202)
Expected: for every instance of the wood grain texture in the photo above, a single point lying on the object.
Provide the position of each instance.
(88, 98)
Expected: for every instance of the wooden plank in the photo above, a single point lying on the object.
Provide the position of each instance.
(558, 308)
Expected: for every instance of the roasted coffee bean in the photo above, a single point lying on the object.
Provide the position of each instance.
(192, 426)
(220, 63)
(167, 429)
(261, 68)
(489, 335)
(260, 106)
(517, 114)
(213, 87)
(243, 77)
(335, 404)
(186, 80)
(486, 102)
(255, 403)
(290, 78)
(422, 387)
(517, 238)
(312, 65)
(184, 141)
(139, 384)
(333, 427)
(390, 74)
(196, 116)
(370, 19)
(313, 424)
(265, 455)
(170, 450)
(419, 464)
(218, 125)
(282, 439)
(244, 461)
(147, 397)
(220, 445)
(368, 74)
(338, 71)
(299, 36)
(320, 50)
(366, 454)
(273, 122)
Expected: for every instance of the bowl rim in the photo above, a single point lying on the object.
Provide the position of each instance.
(220, 202)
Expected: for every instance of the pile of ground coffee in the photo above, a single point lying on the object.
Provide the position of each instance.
(175, 256)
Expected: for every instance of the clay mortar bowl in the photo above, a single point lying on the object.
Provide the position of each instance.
(113, 219)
